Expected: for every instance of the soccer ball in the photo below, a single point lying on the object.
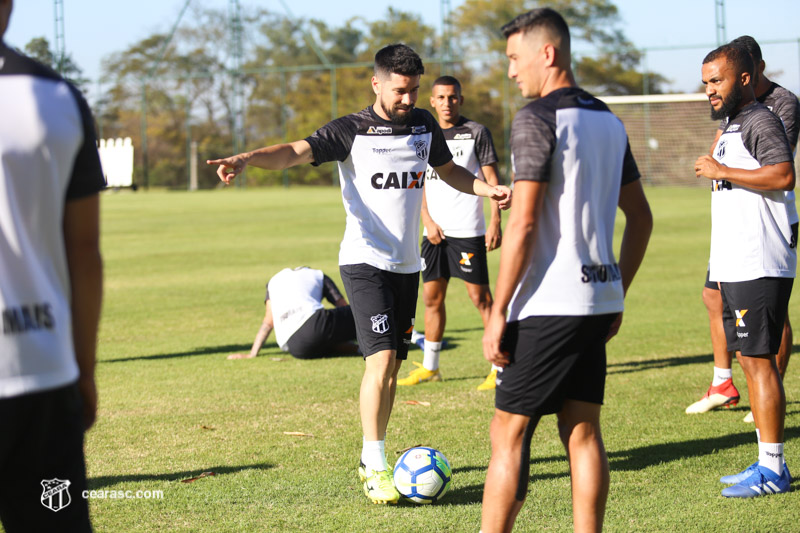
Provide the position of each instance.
(422, 475)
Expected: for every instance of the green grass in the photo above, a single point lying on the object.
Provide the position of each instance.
(184, 287)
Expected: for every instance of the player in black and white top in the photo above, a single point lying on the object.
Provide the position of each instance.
(753, 250)
(50, 293)
(303, 327)
(456, 239)
(559, 280)
(383, 152)
(722, 391)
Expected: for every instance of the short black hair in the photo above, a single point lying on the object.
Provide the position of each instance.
(736, 55)
(448, 80)
(398, 59)
(543, 17)
(749, 44)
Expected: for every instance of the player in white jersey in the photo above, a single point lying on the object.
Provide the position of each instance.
(722, 392)
(753, 251)
(303, 327)
(559, 280)
(383, 152)
(50, 293)
(456, 239)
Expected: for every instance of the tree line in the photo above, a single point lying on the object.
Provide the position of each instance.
(189, 92)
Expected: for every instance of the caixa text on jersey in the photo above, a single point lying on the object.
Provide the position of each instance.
(398, 180)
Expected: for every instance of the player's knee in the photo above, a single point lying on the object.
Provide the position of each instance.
(712, 299)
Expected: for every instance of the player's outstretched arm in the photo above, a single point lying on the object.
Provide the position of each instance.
(85, 264)
(263, 332)
(515, 256)
(638, 227)
(462, 180)
(275, 157)
(778, 177)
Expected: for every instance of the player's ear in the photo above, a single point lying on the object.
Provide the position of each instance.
(433, 102)
(376, 85)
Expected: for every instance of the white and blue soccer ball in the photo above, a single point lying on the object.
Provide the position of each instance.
(422, 475)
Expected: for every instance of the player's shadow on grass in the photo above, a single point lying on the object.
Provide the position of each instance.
(650, 364)
(645, 456)
(105, 481)
(225, 349)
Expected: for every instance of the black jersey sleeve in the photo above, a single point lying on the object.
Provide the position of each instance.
(330, 291)
(630, 170)
(787, 108)
(764, 137)
(533, 140)
(333, 141)
(440, 153)
(87, 174)
(484, 146)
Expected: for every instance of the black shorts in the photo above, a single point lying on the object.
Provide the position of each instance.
(321, 332)
(553, 358)
(753, 313)
(383, 304)
(460, 258)
(41, 448)
(710, 284)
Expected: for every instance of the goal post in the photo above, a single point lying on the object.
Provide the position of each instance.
(667, 133)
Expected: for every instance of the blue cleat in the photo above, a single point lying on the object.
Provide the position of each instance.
(746, 473)
(761, 482)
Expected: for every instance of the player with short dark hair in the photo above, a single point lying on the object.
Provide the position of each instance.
(753, 255)
(559, 280)
(50, 293)
(722, 392)
(456, 239)
(383, 151)
(303, 327)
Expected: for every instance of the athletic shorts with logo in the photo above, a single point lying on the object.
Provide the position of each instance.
(753, 313)
(384, 304)
(463, 258)
(321, 332)
(553, 358)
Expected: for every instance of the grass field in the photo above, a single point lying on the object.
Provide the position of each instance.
(184, 287)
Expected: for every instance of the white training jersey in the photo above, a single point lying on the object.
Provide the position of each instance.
(48, 155)
(459, 214)
(294, 295)
(382, 174)
(572, 141)
(752, 232)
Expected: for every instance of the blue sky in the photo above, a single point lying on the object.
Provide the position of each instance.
(93, 28)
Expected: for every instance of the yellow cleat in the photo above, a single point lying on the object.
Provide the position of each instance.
(379, 487)
(420, 375)
(489, 383)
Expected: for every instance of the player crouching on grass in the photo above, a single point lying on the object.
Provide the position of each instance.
(753, 255)
(383, 151)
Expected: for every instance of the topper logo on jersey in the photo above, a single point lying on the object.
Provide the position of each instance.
(398, 180)
(740, 318)
(380, 323)
(380, 130)
(422, 149)
(462, 136)
(418, 130)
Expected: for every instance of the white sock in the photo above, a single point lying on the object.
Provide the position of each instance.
(373, 455)
(721, 375)
(431, 358)
(770, 455)
(495, 368)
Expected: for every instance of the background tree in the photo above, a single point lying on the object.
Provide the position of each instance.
(39, 49)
